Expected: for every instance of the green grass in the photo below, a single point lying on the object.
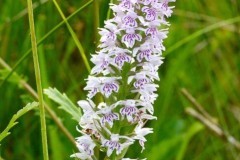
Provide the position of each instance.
(202, 55)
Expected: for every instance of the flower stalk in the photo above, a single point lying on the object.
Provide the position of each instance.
(125, 74)
(38, 80)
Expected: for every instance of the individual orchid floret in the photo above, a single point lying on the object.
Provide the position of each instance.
(129, 110)
(101, 61)
(114, 143)
(109, 87)
(128, 4)
(151, 13)
(105, 85)
(141, 133)
(166, 10)
(85, 145)
(129, 20)
(130, 37)
(108, 35)
(89, 116)
(108, 116)
(120, 56)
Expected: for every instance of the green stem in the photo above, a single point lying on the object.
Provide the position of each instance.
(77, 42)
(109, 11)
(38, 81)
(96, 21)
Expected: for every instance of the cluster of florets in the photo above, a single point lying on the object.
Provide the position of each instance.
(126, 67)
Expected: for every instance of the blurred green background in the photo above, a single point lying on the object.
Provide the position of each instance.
(202, 55)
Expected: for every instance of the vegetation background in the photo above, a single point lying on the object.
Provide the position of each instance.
(203, 56)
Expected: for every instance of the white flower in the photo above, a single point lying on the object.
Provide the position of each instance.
(151, 69)
(89, 115)
(128, 4)
(109, 86)
(141, 133)
(120, 57)
(108, 35)
(165, 9)
(143, 115)
(114, 144)
(151, 13)
(85, 145)
(130, 37)
(105, 85)
(129, 110)
(101, 61)
(93, 85)
(145, 104)
(129, 20)
(107, 115)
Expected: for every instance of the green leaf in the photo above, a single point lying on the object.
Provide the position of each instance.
(65, 103)
(13, 122)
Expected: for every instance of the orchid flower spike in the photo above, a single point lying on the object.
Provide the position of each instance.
(125, 76)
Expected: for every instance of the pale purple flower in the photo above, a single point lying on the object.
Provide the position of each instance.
(130, 19)
(130, 37)
(144, 54)
(93, 85)
(129, 110)
(151, 13)
(146, 2)
(101, 61)
(107, 115)
(108, 35)
(89, 115)
(108, 88)
(115, 144)
(121, 58)
(85, 145)
(141, 133)
(166, 10)
(105, 85)
(126, 4)
(146, 105)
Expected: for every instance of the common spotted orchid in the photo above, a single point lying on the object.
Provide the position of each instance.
(123, 78)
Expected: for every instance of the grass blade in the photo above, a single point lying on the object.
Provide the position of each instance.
(77, 42)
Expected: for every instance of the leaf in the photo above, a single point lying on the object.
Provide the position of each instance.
(65, 103)
(13, 122)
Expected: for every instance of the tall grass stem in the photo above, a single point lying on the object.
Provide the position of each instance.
(75, 39)
(96, 21)
(38, 80)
